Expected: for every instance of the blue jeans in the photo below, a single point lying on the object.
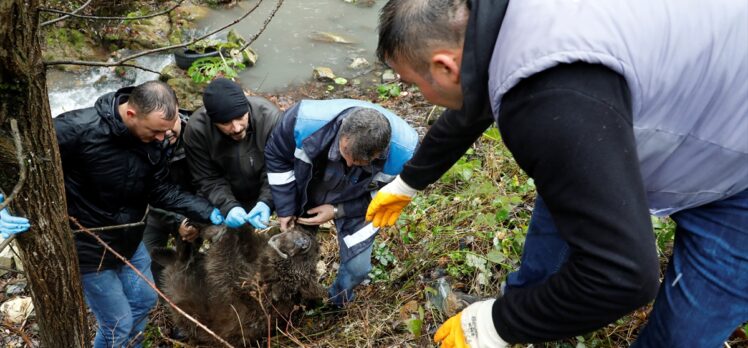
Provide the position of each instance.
(704, 296)
(120, 300)
(350, 274)
(544, 252)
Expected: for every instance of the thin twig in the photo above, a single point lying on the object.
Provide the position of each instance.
(73, 14)
(241, 327)
(153, 286)
(65, 16)
(155, 50)
(19, 332)
(141, 68)
(107, 228)
(11, 270)
(7, 241)
(264, 25)
(21, 164)
(176, 343)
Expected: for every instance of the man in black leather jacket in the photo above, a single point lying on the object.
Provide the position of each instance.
(114, 167)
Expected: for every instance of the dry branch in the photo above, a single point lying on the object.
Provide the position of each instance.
(107, 228)
(162, 49)
(52, 21)
(74, 14)
(264, 25)
(21, 164)
(153, 286)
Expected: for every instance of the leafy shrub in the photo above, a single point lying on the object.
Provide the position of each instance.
(206, 69)
(388, 90)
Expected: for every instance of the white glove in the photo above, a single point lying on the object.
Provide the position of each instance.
(475, 329)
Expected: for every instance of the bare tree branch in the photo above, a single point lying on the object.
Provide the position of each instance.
(264, 25)
(141, 68)
(53, 21)
(107, 228)
(155, 50)
(150, 283)
(21, 164)
(8, 269)
(73, 14)
(7, 242)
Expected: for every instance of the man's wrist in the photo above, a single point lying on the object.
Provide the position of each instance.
(337, 211)
(399, 186)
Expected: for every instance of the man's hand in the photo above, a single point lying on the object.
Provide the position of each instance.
(259, 216)
(215, 217)
(286, 222)
(471, 328)
(188, 232)
(236, 217)
(389, 202)
(9, 224)
(322, 214)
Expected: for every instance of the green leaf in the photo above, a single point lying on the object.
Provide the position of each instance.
(414, 326)
(502, 215)
(340, 81)
(495, 256)
(475, 261)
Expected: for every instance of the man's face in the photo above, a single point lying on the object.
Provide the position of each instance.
(439, 90)
(235, 129)
(350, 161)
(151, 127)
(173, 134)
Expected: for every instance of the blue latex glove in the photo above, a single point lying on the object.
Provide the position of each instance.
(236, 217)
(259, 216)
(215, 217)
(9, 224)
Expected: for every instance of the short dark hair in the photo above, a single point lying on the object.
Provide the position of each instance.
(408, 28)
(154, 96)
(368, 133)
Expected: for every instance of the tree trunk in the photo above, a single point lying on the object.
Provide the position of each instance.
(48, 249)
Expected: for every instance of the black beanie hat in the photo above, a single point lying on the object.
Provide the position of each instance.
(224, 101)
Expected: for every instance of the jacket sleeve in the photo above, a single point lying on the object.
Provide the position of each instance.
(354, 207)
(67, 136)
(209, 180)
(270, 117)
(279, 159)
(570, 128)
(171, 197)
(445, 142)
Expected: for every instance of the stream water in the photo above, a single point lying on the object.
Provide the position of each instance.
(287, 49)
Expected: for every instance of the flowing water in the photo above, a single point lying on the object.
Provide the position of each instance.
(288, 49)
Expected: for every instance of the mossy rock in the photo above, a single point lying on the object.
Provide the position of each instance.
(73, 44)
(188, 92)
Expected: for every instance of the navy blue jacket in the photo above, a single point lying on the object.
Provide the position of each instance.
(304, 137)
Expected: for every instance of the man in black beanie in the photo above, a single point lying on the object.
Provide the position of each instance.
(224, 141)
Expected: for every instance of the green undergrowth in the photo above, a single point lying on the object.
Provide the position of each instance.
(469, 227)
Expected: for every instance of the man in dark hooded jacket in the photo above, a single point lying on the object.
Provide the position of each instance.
(114, 166)
(225, 142)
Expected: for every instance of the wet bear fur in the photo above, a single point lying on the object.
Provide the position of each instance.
(245, 282)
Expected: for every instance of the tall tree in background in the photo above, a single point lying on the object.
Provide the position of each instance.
(48, 249)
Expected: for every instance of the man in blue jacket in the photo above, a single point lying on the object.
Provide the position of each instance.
(325, 160)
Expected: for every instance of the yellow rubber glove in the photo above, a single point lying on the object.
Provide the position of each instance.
(450, 334)
(471, 328)
(389, 202)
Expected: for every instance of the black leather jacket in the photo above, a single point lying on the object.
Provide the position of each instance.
(111, 177)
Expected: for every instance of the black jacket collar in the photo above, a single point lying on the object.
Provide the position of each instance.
(480, 37)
